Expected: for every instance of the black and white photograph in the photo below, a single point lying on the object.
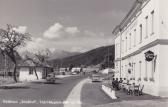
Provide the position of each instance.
(83, 53)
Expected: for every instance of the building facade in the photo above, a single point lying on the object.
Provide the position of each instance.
(141, 46)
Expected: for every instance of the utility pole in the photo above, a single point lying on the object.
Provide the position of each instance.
(5, 67)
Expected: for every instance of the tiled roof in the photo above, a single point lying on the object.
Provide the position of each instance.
(26, 63)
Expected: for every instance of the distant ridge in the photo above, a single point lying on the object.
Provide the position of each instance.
(92, 57)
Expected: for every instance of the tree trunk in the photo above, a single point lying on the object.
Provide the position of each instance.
(14, 73)
(36, 73)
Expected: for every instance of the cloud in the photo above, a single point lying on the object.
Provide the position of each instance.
(54, 31)
(20, 29)
(35, 45)
(59, 31)
(58, 37)
(72, 30)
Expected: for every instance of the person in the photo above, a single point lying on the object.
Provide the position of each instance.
(120, 83)
(117, 84)
(113, 83)
(125, 81)
(131, 81)
(131, 86)
(121, 80)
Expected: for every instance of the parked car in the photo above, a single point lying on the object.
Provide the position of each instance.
(96, 78)
(73, 73)
(51, 78)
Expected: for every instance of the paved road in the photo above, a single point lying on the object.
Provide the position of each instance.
(39, 94)
(93, 95)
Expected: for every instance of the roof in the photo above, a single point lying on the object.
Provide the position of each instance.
(26, 63)
(29, 63)
(130, 15)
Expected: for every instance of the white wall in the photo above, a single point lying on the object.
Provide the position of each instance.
(25, 76)
(163, 19)
(163, 70)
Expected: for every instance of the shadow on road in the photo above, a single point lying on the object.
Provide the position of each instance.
(47, 83)
(14, 87)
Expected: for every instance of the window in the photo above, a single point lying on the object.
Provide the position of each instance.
(146, 71)
(140, 39)
(153, 69)
(126, 43)
(116, 49)
(130, 41)
(116, 64)
(140, 69)
(146, 27)
(133, 64)
(122, 46)
(134, 37)
(152, 22)
(30, 71)
(122, 69)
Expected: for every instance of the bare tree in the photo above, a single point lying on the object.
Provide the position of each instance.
(10, 41)
(39, 59)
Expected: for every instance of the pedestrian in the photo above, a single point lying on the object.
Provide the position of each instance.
(113, 83)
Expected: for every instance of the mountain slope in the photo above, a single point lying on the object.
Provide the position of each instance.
(92, 57)
(62, 54)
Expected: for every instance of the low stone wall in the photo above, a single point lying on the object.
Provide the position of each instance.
(109, 91)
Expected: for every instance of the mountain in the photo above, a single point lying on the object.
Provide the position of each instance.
(61, 54)
(57, 54)
(101, 55)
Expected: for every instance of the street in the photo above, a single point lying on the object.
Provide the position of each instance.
(41, 94)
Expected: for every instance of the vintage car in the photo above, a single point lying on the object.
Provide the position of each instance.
(51, 78)
(96, 78)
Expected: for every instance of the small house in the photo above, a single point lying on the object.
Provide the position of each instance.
(28, 71)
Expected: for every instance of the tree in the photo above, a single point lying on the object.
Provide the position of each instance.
(39, 59)
(10, 41)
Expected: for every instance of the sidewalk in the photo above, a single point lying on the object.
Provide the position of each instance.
(145, 100)
(15, 85)
(138, 103)
(8, 83)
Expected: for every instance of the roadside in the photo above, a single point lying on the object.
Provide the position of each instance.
(137, 103)
(8, 82)
(92, 95)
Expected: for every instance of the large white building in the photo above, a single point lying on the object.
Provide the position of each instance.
(141, 46)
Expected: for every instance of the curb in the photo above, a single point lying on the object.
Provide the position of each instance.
(109, 92)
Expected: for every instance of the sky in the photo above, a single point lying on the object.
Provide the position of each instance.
(69, 25)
